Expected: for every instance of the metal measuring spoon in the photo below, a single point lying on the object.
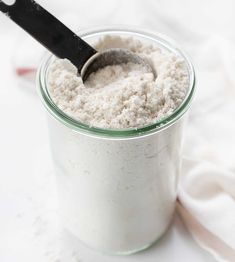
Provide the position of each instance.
(62, 42)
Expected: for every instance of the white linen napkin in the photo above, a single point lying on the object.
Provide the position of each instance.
(207, 187)
(207, 206)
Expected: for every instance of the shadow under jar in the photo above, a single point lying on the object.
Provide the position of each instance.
(117, 188)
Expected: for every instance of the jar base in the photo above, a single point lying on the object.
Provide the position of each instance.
(124, 253)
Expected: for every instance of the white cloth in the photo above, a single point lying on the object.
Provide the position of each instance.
(207, 206)
(205, 29)
(207, 187)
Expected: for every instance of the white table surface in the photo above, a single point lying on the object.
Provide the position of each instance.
(28, 218)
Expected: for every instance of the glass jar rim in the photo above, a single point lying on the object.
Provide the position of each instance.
(74, 124)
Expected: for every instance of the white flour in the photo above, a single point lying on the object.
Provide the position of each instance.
(118, 195)
(121, 96)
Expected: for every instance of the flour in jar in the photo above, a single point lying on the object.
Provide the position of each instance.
(121, 96)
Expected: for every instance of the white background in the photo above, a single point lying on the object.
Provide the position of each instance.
(28, 221)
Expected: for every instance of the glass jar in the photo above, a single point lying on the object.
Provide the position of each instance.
(117, 188)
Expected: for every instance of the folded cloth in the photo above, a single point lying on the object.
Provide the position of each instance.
(207, 206)
(206, 198)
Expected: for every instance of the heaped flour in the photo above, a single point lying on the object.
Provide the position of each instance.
(121, 96)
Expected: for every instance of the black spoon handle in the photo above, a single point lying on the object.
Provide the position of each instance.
(49, 31)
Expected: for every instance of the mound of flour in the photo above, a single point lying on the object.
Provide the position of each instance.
(121, 96)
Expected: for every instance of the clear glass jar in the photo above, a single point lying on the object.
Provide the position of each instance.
(117, 188)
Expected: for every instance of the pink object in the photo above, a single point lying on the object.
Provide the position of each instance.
(21, 71)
